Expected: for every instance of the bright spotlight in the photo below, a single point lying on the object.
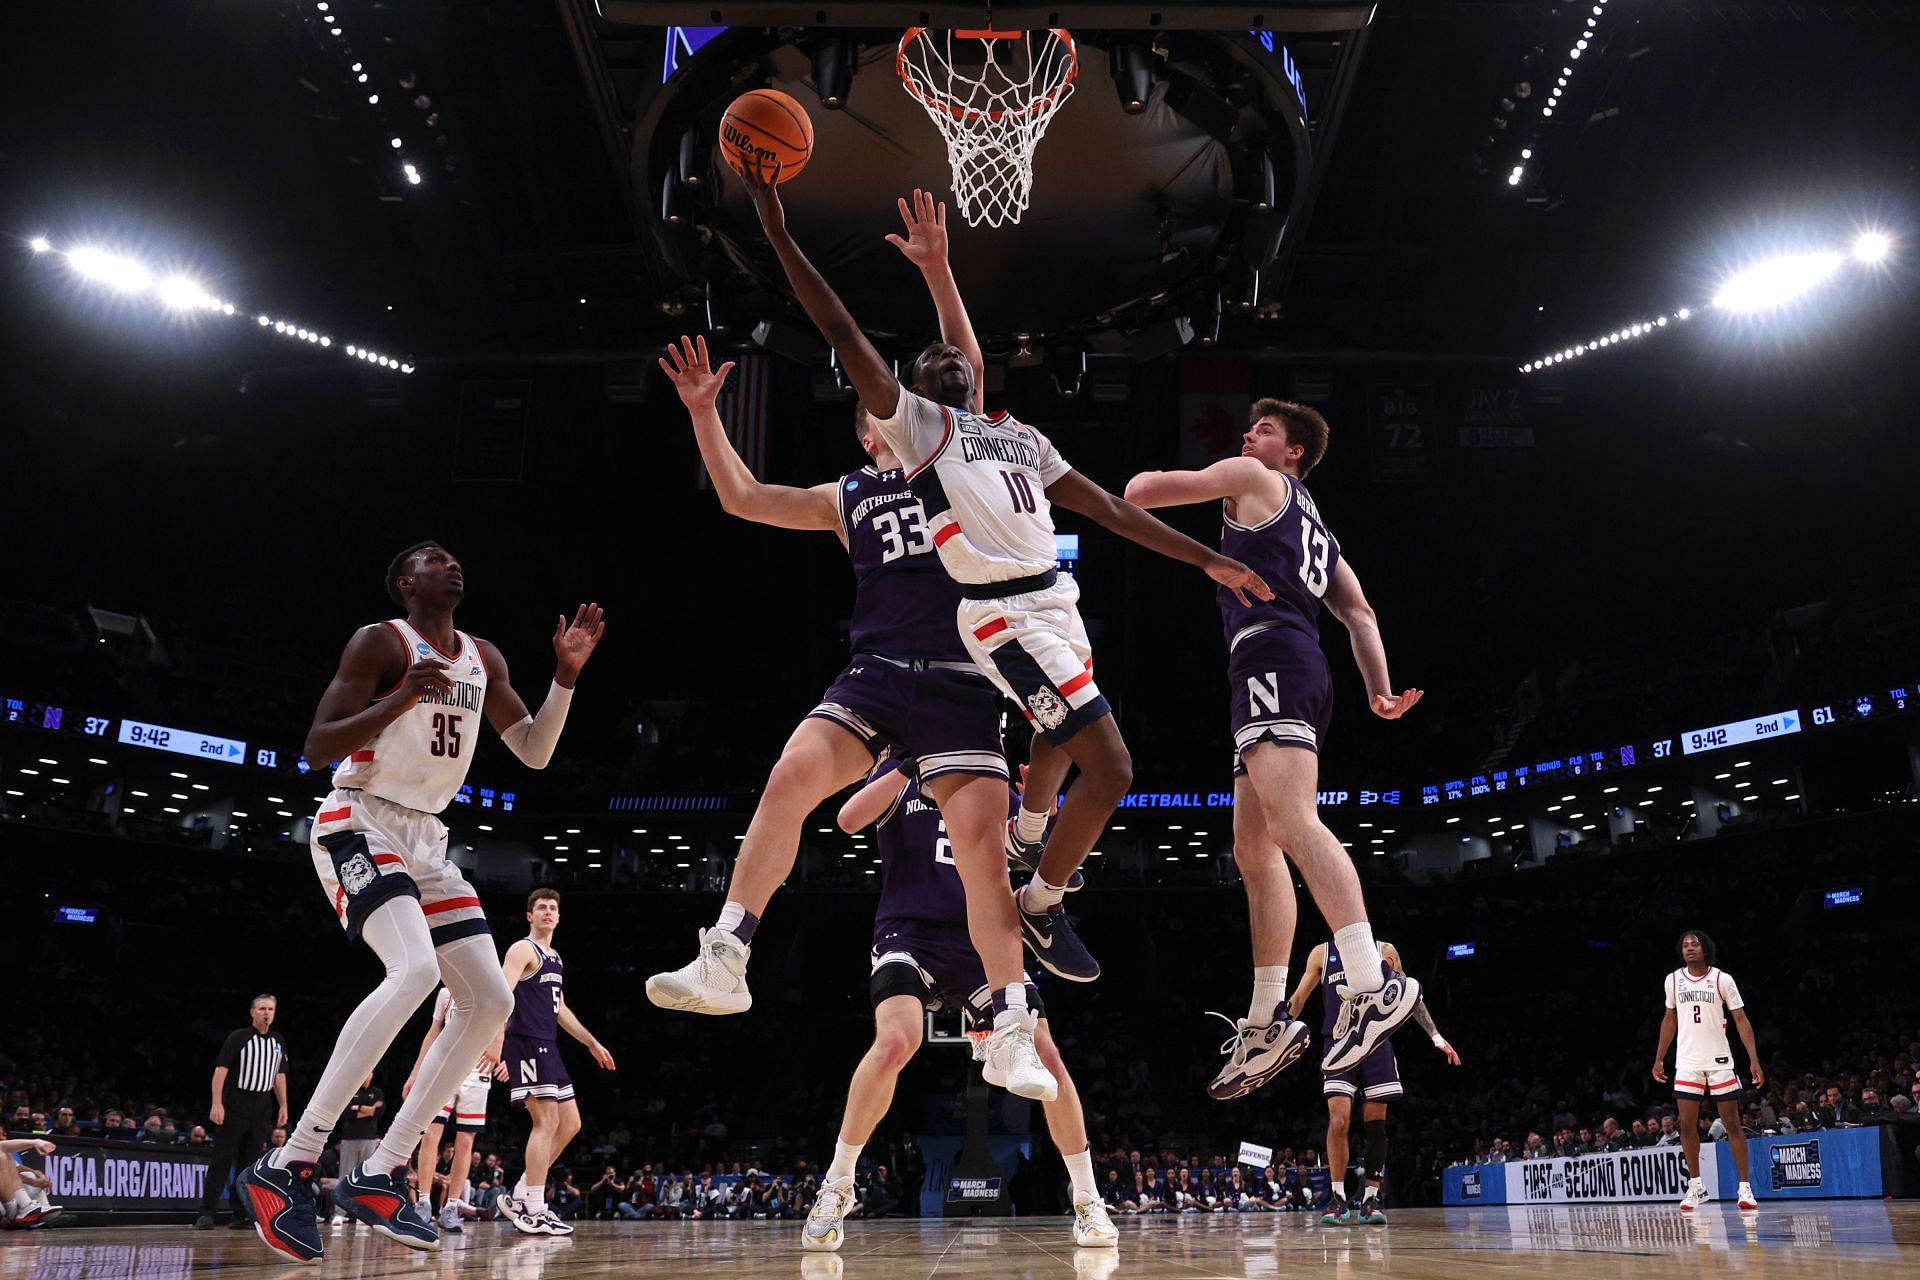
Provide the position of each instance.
(39, 244)
(110, 269)
(180, 293)
(1868, 246)
(1777, 281)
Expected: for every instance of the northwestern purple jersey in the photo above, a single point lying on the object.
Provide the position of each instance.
(918, 881)
(536, 1000)
(904, 603)
(1294, 553)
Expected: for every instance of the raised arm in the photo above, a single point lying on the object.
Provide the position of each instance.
(741, 494)
(1347, 602)
(1078, 494)
(867, 805)
(533, 737)
(872, 376)
(925, 246)
(1228, 478)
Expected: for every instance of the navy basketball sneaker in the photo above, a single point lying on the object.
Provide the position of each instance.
(281, 1204)
(1369, 1017)
(1055, 945)
(380, 1201)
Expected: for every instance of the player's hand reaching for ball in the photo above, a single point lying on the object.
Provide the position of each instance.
(573, 642)
(425, 676)
(926, 243)
(1239, 579)
(692, 373)
(762, 182)
(1388, 707)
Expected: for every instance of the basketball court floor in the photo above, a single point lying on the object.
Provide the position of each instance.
(1836, 1239)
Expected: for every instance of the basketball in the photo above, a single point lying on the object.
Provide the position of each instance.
(770, 124)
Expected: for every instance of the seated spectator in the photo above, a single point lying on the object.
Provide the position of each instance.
(671, 1203)
(1536, 1148)
(880, 1200)
(64, 1124)
(608, 1190)
(566, 1198)
(1612, 1137)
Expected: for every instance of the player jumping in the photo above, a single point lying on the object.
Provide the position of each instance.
(1281, 696)
(988, 485)
(1700, 999)
(402, 715)
(911, 685)
(922, 959)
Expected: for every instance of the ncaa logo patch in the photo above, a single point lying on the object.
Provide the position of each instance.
(356, 873)
(852, 485)
(1048, 708)
(423, 649)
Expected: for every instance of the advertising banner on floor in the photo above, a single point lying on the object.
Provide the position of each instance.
(93, 1176)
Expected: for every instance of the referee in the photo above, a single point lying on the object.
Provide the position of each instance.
(249, 1101)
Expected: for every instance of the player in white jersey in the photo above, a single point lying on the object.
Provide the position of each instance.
(463, 1116)
(987, 485)
(1700, 999)
(402, 715)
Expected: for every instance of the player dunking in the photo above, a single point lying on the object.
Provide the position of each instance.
(402, 715)
(530, 1049)
(910, 686)
(1374, 1079)
(463, 1116)
(1281, 698)
(988, 485)
(1700, 999)
(922, 959)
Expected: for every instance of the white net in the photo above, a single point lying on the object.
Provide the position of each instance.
(991, 95)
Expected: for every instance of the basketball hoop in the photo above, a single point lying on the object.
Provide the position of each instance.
(993, 120)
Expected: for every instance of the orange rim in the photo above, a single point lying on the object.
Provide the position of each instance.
(906, 76)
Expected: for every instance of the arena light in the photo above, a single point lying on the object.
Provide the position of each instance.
(1775, 282)
(182, 293)
(1872, 247)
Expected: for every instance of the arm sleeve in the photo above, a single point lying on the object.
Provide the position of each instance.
(917, 430)
(229, 1053)
(1052, 465)
(535, 737)
(1730, 993)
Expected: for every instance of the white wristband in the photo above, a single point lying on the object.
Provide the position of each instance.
(1439, 1042)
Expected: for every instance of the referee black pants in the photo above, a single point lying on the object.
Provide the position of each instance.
(248, 1128)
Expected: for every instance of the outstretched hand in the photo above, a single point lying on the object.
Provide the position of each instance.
(1239, 579)
(692, 373)
(926, 241)
(1388, 707)
(762, 185)
(573, 642)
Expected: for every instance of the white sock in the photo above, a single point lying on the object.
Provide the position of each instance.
(1016, 1006)
(537, 1199)
(1080, 1173)
(1269, 990)
(397, 932)
(1029, 825)
(1040, 896)
(1360, 957)
(520, 1188)
(730, 917)
(481, 1003)
(845, 1156)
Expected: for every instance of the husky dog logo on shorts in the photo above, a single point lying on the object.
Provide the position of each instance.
(356, 873)
(1048, 708)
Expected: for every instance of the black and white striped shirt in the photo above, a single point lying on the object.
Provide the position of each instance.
(252, 1060)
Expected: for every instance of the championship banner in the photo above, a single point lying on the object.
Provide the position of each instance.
(1213, 407)
(94, 1176)
(1400, 433)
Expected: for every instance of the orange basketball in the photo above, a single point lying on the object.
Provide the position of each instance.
(770, 124)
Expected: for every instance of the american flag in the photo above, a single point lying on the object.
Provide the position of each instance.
(743, 403)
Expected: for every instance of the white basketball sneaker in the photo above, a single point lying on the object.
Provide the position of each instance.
(1014, 1064)
(1747, 1199)
(1092, 1228)
(1256, 1054)
(823, 1231)
(450, 1216)
(1695, 1197)
(715, 981)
